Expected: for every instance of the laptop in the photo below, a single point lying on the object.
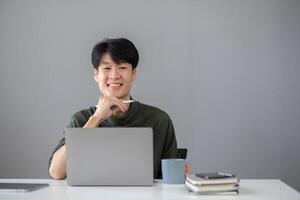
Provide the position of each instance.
(112, 156)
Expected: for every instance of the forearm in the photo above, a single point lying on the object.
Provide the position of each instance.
(57, 168)
(93, 122)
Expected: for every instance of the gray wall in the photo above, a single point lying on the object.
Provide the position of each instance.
(227, 72)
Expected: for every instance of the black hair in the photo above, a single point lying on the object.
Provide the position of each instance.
(121, 50)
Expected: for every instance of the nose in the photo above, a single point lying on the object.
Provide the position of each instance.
(114, 73)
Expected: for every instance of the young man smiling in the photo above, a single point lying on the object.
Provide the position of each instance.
(115, 62)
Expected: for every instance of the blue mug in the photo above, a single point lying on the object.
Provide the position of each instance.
(173, 171)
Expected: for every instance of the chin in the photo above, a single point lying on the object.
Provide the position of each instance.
(116, 94)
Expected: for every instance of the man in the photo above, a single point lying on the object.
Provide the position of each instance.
(115, 62)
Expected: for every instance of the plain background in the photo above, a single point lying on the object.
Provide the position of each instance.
(227, 72)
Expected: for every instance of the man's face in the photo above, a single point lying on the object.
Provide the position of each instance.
(114, 79)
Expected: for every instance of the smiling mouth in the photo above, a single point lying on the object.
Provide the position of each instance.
(114, 84)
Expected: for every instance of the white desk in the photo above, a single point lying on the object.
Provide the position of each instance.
(59, 190)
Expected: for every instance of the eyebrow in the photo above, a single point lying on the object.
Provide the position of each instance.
(109, 63)
(105, 63)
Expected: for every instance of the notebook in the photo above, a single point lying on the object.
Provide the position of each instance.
(21, 187)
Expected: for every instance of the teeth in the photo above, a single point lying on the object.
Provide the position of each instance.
(114, 84)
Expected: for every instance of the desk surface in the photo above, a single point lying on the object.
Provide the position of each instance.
(249, 189)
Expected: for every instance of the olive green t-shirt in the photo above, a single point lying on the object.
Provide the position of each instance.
(138, 115)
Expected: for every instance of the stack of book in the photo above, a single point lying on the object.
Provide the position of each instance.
(213, 183)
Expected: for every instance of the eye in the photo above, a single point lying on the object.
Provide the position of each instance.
(106, 68)
(122, 67)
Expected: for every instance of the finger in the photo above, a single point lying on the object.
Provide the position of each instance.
(125, 105)
(100, 100)
(116, 104)
(119, 102)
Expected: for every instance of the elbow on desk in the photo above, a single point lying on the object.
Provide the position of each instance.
(56, 174)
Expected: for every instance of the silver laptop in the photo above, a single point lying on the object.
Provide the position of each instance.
(109, 156)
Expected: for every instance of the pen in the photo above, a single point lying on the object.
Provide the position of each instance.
(126, 101)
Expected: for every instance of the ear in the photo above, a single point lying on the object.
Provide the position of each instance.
(134, 74)
(95, 71)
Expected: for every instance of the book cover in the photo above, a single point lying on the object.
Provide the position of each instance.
(201, 181)
(211, 188)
